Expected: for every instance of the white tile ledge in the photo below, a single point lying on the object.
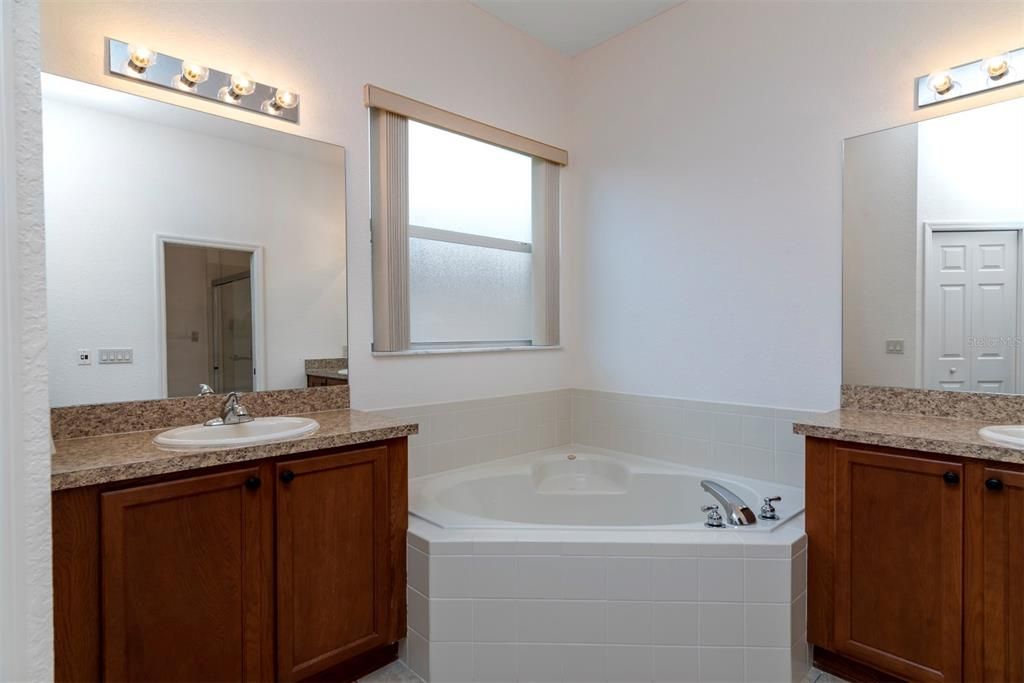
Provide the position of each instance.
(455, 351)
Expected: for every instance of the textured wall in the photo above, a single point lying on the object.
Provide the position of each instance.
(26, 630)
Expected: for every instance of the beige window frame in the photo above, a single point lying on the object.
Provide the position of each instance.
(390, 229)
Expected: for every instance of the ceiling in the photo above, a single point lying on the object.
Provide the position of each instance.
(572, 26)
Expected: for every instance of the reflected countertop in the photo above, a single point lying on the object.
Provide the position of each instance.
(328, 373)
(945, 435)
(91, 460)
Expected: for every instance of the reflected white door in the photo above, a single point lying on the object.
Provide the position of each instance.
(970, 311)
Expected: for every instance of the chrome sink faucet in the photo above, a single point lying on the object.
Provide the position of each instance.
(736, 511)
(232, 413)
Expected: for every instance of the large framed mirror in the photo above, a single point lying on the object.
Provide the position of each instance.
(185, 249)
(933, 253)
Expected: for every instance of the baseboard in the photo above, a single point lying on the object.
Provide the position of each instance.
(849, 669)
(357, 667)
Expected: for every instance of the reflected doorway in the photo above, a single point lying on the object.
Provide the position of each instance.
(209, 318)
(971, 324)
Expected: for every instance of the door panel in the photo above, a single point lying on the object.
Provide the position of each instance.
(898, 563)
(995, 618)
(186, 594)
(332, 559)
(970, 318)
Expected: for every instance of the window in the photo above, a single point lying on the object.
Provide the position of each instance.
(470, 241)
(464, 222)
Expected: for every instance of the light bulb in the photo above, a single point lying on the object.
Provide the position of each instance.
(242, 85)
(941, 82)
(996, 67)
(286, 98)
(192, 74)
(141, 57)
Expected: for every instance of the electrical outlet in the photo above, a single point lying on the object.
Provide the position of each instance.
(84, 357)
(894, 346)
(115, 356)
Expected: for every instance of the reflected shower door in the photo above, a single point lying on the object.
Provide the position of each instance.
(232, 333)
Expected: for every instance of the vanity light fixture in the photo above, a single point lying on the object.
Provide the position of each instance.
(284, 98)
(239, 85)
(237, 88)
(192, 74)
(140, 58)
(941, 83)
(974, 77)
(996, 67)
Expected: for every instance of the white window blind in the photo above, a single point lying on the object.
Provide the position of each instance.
(465, 233)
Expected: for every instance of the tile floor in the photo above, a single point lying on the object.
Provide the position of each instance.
(397, 672)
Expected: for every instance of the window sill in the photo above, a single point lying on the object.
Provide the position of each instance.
(465, 349)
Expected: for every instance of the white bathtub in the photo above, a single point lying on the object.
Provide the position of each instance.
(599, 568)
(573, 488)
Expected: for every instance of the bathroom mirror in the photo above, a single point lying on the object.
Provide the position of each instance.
(185, 249)
(933, 253)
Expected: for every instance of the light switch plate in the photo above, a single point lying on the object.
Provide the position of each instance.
(115, 356)
(894, 346)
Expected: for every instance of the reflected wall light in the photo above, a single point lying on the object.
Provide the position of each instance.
(968, 79)
(237, 88)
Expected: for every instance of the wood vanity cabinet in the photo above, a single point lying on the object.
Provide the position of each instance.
(914, 564)
(184, 577)
(282, 569)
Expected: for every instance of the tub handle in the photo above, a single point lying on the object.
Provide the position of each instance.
(768, 510)
(714, 519)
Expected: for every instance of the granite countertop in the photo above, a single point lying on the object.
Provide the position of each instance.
(90, 460)
(946, 435)
(328, 373)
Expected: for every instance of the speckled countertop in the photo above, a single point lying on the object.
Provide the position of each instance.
(328, 373)
(913, 432)
(108, 458)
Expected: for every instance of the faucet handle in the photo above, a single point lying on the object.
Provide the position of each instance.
(768, 510)
(714, 519)
(205, 390)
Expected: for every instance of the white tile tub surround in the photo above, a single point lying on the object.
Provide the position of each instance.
(465, 433)
(594, 606)
(752, 441)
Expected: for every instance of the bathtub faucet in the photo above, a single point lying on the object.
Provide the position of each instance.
(736, 511)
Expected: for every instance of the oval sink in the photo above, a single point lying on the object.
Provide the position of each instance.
(260, 431)
(1004, 435)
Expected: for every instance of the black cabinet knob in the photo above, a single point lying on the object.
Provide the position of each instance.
(287, 476)
(253, 483)
(951, 478)
(994, 484)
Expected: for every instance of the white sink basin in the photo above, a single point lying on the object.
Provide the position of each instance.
(259, 431)
(1004, 435)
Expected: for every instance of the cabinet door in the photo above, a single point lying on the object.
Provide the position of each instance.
(186, 580)
(995, 574)
(333, 566)
(898, 571)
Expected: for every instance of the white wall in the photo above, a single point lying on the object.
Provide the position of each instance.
(707, 160)
(881, 245)
(26, 597)
(972, 166)
(450, 54)
(111, 192)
